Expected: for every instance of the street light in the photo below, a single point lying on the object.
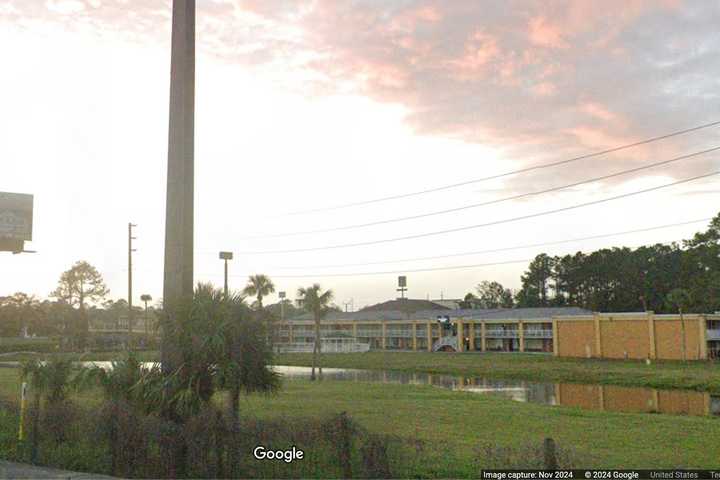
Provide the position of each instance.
(226, 256)
(282, 306)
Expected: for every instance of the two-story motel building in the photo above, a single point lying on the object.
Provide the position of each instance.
(562, 331)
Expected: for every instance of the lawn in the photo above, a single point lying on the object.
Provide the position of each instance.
(457, 424)
(451, 429)
(702, 376)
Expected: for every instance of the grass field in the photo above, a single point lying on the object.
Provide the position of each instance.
(702, 376)
(453, 427)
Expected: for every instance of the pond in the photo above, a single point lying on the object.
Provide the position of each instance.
(590, 397)
(587, 396)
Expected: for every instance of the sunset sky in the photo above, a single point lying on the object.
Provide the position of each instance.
(308, 105)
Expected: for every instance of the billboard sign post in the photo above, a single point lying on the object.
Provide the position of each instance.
(16, 221)
(402, 286)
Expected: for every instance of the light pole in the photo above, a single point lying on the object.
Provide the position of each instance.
(146, 298)
(226, 256)
(282, 306)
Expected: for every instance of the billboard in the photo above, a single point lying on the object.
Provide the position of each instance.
(16, 216)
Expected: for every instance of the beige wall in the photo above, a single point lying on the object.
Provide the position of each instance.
(620, 336)
(635, 336)
(668, 335)
(578, 338)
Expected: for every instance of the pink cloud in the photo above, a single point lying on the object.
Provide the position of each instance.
(480, 50)
(526, 77)
(429, 14)
(598, 111)
(545, 34)
(544, 89)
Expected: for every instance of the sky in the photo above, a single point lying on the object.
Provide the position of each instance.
(303, 106)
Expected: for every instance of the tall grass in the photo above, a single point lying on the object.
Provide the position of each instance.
(334, 446)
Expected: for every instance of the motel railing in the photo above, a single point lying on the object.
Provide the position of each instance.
(493, 333)
(538, 333)
(364, 333)
(327, 347)
(399, 332)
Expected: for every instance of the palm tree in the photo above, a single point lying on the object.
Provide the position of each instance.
(243, 365)
(259, 286)
(146, 298)
(319, 305)
(679, 298)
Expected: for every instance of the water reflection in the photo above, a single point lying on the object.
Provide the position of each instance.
(590, 397)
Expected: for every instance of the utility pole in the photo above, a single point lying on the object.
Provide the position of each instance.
(179, 228)
(130, 280)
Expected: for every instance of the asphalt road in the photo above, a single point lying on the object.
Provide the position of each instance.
(21, 470)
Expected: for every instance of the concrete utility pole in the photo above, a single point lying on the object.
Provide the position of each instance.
(178, 277)
(130, 280)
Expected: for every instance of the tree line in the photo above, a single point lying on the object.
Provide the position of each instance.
(618, 279)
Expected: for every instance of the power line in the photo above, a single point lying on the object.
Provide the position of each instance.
(471, 227)
(490, 202)
(458, 267)
(355, 274)
(506, 174)
(504, 249)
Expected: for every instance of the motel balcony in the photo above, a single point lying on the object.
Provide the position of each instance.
(713, 335)
(538, 333)
(369, 333)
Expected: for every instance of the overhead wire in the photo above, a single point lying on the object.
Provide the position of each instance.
(498, 250)
(482, 225)
(490, 202)
(506, 174)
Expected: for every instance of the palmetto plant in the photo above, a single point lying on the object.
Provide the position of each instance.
(52, 380)
(122, 386)
(318, 303)
(222, 345)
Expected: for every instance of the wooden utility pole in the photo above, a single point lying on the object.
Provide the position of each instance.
(178, 274)
(130, 281)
